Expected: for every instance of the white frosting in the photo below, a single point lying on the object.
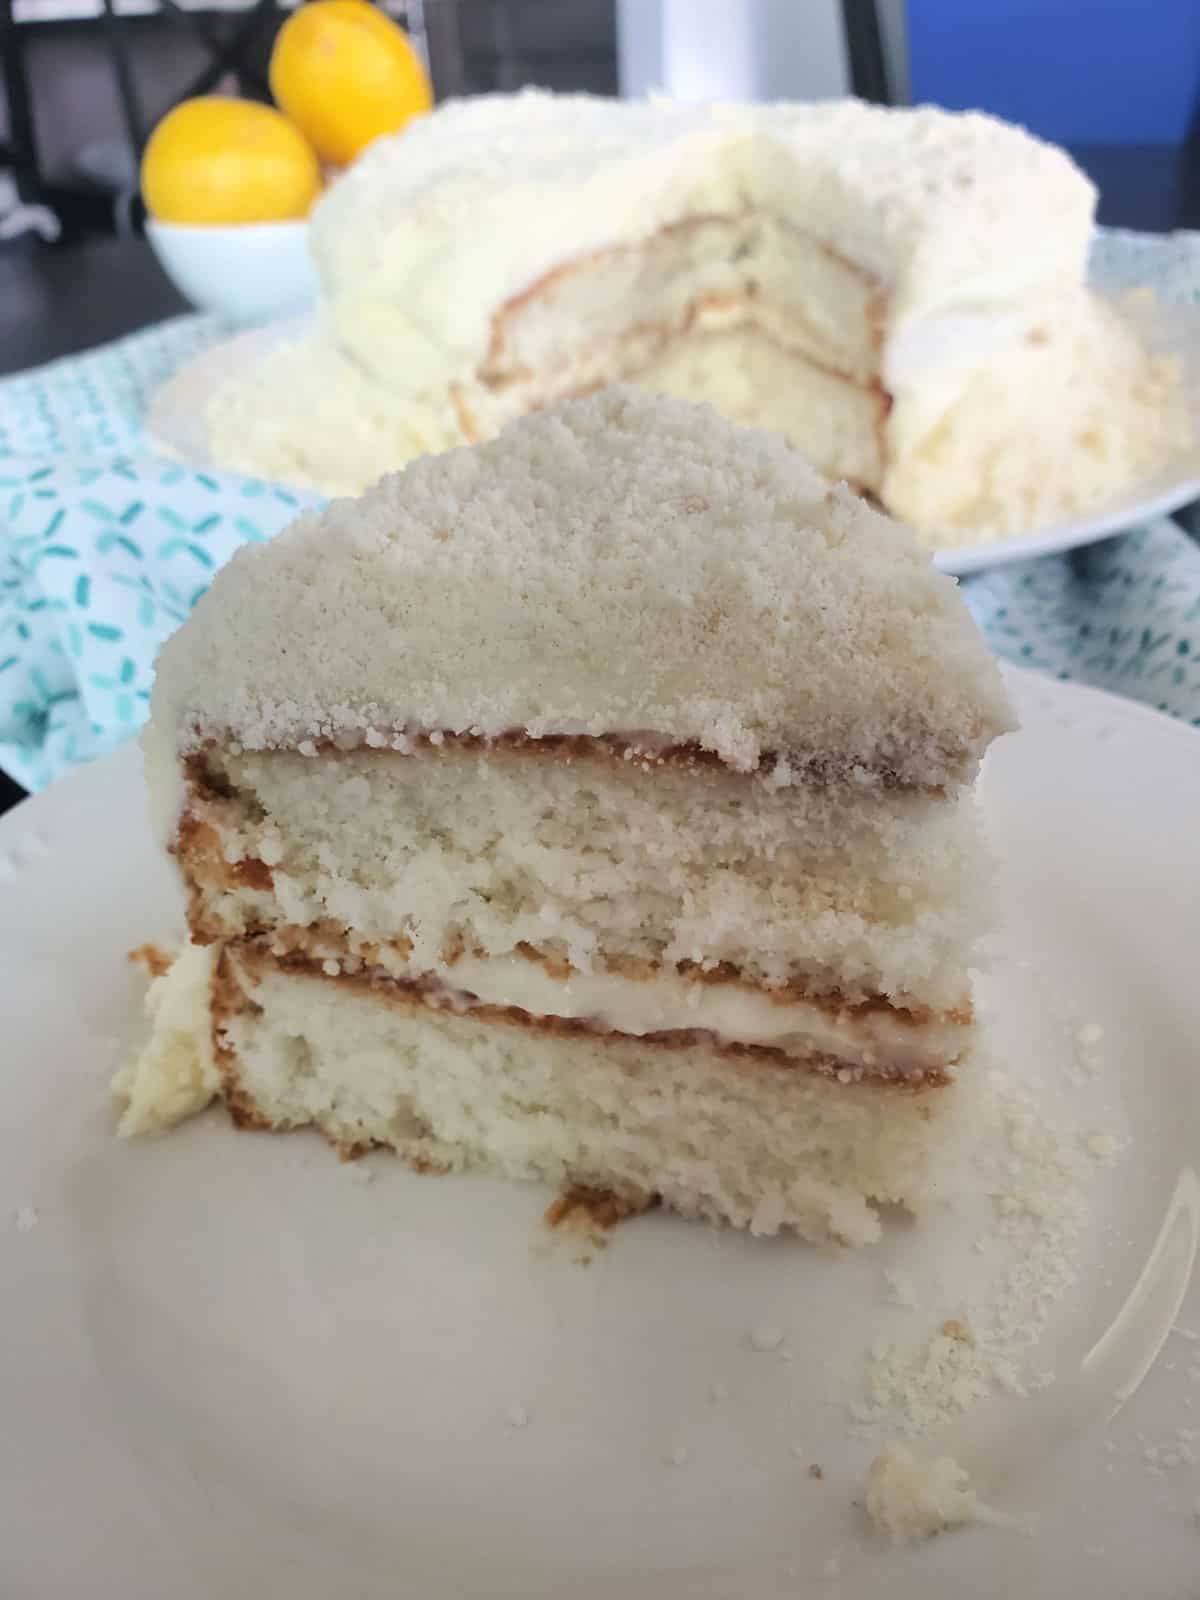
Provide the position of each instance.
(174, 1074)
(950, 212)
(929, 361)
(732, 1013)
(624, 562)
(949, 243)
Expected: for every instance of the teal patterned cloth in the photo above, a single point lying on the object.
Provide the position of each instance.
(98, 564)
(104, 550)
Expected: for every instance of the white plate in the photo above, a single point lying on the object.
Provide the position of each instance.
(230, 1369)
(175, 425)
(1170, 327)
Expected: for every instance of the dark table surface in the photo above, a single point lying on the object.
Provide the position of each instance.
(55, 302)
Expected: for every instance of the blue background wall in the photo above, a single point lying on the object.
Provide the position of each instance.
(1075, 71)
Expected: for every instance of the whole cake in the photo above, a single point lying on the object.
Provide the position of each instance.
(900, 293)
(594, 805)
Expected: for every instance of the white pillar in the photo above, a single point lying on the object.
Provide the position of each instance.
(732, 49)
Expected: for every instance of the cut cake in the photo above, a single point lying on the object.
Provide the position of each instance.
(901, 293)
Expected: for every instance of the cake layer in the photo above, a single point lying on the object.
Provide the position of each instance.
(872, 1040)
(745, 313)
(736, 1140)
(623, 564)
(754, 379)
(748, 269)
(843, 889)
(822, 1033)
(745, 373)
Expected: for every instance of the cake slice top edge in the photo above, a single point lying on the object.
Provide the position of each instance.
(624, 565)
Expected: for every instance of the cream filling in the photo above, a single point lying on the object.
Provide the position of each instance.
(867, 1041)
(929, 362)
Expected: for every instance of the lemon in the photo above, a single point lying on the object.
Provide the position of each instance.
(345, 73)
(213, 159)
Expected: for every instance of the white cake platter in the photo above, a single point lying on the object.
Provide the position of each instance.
(1171, 327)
(232, 1367)
(175, 425)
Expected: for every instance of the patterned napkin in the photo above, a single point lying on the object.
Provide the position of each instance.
(104, 550)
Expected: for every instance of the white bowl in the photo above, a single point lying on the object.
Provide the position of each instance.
(246, 271)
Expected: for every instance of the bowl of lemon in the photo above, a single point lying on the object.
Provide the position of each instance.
(229, 184)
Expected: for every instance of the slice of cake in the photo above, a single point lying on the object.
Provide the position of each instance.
(901, 293)
(593, 805)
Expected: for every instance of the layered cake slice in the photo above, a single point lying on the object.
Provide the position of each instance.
(593, 805)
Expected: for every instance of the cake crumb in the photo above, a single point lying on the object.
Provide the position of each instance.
(1089, 1034)
(679, 1456)
(26, 1218)
(593, 1212)
(152, 958)
(1036, 1175)
(517, 1416)
(816, 1471)
(909, 1499)
(832, 1568)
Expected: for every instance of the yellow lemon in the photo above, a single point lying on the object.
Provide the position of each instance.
(219, 160)
(345, 73)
